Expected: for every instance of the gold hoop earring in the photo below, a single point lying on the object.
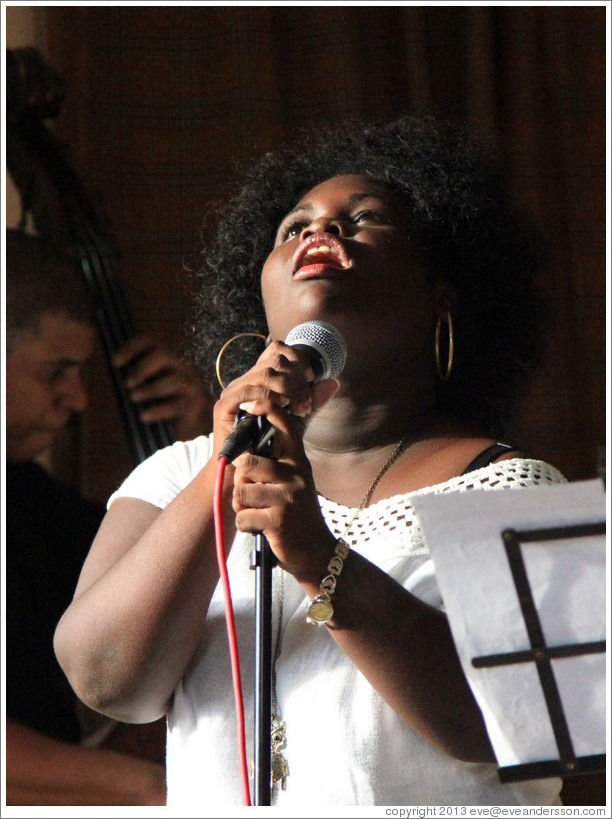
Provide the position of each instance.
(445, 375)
(224, 348)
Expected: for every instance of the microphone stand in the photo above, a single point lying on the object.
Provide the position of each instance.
(254, 432)
(325, 350)
(264, 561)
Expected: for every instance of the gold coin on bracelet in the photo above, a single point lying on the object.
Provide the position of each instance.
(320, 610)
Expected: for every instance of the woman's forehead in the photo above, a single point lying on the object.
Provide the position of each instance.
(347, 184)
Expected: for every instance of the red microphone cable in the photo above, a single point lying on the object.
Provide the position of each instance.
(231, 630)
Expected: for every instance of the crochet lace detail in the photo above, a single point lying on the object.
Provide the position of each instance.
(391, 524)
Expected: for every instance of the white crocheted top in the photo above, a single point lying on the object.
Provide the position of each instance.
(345, 745)
(392, 518)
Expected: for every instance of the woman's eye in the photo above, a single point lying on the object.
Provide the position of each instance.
(293, 228)
(371, 216)
(290, 230)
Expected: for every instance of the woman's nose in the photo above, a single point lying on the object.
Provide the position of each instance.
(323, 224)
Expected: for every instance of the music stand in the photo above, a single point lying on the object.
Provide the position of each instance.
(532, 561)
(542, 654)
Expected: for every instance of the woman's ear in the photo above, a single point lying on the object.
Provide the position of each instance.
(445, 299)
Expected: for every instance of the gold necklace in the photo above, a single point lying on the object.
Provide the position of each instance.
(279, 767)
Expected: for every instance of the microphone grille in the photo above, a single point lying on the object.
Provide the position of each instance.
(326, 340)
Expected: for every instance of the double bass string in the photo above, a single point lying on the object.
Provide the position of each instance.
(117, 327)
(115, 321)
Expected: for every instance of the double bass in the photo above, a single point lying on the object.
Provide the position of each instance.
(55, 198)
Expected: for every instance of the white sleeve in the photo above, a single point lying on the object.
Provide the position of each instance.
(164, 474)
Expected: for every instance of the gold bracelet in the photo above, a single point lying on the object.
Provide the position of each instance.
(320, 610)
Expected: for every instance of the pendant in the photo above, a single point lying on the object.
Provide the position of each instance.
(279, 767)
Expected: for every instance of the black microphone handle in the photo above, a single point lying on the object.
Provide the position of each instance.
(254, 432)
(251, 432)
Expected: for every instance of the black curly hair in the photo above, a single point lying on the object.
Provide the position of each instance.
(452, 180)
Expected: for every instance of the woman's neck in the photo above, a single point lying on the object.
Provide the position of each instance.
(357, 423)
(347, 443)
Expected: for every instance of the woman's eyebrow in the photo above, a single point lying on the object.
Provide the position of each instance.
(352, 200)
(358, 197)
(297, 209)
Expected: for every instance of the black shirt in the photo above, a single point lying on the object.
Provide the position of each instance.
(49, 529)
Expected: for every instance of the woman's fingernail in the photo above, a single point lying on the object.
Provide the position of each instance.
(303, 409)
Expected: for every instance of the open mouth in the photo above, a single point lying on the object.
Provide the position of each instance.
(319, 253)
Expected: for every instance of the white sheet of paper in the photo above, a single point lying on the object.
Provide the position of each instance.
(568, 583)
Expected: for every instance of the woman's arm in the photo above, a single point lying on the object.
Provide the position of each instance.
(134, 623)
(141, 601)
(405, 650)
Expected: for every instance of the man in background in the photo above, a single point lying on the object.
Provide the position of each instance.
(53, 757)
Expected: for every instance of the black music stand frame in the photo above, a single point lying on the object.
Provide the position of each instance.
(542, 655)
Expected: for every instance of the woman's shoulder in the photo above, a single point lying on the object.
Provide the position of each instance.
(486, 459)
(510, 471)
(160, 477)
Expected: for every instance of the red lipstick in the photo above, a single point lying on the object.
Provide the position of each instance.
(319, 254)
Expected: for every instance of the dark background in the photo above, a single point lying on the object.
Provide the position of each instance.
(162, 100)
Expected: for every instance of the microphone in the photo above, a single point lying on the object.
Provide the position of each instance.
(325, 350)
